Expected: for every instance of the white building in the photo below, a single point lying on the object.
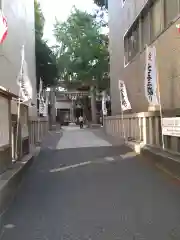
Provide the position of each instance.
(21, 31)
(20, 17)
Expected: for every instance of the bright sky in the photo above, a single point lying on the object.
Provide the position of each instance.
(60, 10)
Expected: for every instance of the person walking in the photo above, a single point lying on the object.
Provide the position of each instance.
(81, 121)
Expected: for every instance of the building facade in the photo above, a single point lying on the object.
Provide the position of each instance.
(20, 17)
(134, 24)
(15, 134)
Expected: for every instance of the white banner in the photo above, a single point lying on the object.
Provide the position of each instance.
(45, 113)
(40, 89)
(104, 109)
(23, 80)
(125, 104)
(41, 106)
(150, 83)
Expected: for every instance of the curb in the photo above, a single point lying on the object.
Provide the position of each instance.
(11, 180)
(163, 160)
(167, 162)
(95, 126)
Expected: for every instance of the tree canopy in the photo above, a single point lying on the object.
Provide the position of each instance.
(46, 66)
(83, 49)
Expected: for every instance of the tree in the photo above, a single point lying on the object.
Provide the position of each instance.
(83, 50)
(46, 65)
(39, 19)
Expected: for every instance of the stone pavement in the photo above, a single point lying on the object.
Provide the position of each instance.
(83, 187)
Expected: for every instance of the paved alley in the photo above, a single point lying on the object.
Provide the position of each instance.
(82, 187)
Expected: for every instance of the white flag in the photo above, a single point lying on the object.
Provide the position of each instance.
(23, 80)
(40, 89)
(41, 105)
(151, 76)
(125, 104)
(45, 113)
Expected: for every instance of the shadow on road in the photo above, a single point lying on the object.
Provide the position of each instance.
(94, 193)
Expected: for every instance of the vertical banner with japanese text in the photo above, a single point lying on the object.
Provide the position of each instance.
(150, 83)
(125, 104)
(23, 80)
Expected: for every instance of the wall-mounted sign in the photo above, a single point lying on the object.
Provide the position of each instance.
(171, 126)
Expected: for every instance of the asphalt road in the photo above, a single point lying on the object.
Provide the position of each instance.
(81, 187)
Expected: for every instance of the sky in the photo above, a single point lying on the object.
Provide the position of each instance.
(60, 9)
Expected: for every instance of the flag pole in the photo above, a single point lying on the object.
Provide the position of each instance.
(19, 107)
(122, 119)
(160, 106)
(39, 129)
(17, 129)
(39, 97)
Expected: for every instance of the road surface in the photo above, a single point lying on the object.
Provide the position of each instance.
(81, 187)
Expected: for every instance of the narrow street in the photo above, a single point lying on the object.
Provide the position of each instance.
(81, 187)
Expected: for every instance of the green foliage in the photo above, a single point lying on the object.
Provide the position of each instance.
(39, 19)
(46, 66)
(83, 49)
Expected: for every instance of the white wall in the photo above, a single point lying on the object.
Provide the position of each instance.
(20, 17)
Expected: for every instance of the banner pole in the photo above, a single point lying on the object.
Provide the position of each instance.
(122, 119)
(159, 96)
(17, 130)
(161, 114)
(40, 106)
(38, 130)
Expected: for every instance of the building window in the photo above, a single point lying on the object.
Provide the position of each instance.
(171, 10)
(155, 15)
(145, 30)
(156, 19)
(126, 50)
(135, 39)
(130, 47)
(131, 42)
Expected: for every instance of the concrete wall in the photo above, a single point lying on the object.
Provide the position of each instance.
(20, 16)
(168, 49)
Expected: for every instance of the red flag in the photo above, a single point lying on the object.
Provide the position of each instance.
(3, 27)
